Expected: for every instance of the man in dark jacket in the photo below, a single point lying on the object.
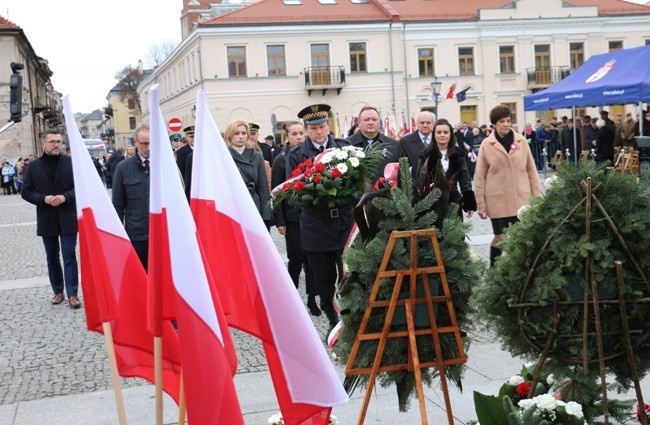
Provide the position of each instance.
(368, 134)
(413, 144)
(49, 184)
(131, 194)
(323, 231)
(185, 150)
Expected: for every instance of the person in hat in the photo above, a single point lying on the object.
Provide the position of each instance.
(184, 151)
(275, 147)
(265, 149)
(175, 139)
(323, 231)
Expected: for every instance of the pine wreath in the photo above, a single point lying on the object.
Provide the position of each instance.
(363, 261)
(529, 296)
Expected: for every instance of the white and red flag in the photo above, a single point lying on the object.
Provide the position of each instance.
(257, 293)
(175, 253)
(451, 91)
(114, 281)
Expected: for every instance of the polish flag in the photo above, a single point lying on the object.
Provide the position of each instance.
(113, 279)
(451, 91)
(206, 345)
(257, 293)
(413, 125)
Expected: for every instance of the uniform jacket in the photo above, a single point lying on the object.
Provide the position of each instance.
(251, 166)
(322, 230)
(51, 221)
(504, 181)
(131, 197)
(391, 150)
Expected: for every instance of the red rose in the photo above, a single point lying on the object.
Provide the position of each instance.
(298, 186)
(317, 178)
(286, 186)
(319, 167)
(523, 389)
(336, 173)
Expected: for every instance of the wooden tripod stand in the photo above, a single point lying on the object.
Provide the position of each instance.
(409, 304)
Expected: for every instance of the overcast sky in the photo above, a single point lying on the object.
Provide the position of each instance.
(87, 42)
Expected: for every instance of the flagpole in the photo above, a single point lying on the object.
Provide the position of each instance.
(117, 388)
(157, 352)
(181, 403)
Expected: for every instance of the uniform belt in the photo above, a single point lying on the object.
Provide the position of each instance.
(327, 212)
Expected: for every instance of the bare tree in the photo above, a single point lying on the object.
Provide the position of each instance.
(129, 79)
(161, 51)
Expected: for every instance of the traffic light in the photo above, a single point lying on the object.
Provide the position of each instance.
(16, 93)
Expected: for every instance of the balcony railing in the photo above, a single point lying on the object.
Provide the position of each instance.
(324, 78)
(541, 77)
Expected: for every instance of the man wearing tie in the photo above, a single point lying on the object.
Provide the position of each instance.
(413, 144)
(369, 134)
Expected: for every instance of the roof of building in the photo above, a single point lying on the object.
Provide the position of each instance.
(340, 11)
(7, 24)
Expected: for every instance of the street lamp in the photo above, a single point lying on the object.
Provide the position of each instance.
(435, 93)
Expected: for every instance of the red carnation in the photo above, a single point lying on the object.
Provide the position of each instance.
(336, 173)
(523, 389)
(319, 167)
(317, 178)
(286, 186)
(299, 185)
(296, 172)
(309, 172)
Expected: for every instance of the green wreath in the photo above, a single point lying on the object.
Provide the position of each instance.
(536, 289)
(363, 262)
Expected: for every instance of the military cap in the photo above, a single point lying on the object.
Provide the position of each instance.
(315, 114)
(174, 137)
(189, 131)
(269, 137)
(254, 127)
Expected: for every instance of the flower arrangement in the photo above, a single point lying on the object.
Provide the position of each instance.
(277, 420)
(333, 179)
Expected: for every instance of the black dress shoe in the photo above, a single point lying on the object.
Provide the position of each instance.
(313, 307)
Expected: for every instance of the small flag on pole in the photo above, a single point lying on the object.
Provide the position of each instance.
(462, 95)
(450, 92)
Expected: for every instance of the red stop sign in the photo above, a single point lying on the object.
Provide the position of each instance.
(175, 124)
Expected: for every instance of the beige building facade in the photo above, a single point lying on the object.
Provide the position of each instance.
(266, 61)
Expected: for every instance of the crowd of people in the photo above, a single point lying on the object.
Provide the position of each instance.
(488, 169)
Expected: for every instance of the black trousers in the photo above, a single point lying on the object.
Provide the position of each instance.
(142, 249)
(298, 258)
(326, 267)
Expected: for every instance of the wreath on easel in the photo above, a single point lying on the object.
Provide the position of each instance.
(399, 211)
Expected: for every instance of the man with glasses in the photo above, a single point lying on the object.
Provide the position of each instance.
(131, 194)
(49, 184)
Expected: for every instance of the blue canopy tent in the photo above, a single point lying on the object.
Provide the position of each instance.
(617, 78)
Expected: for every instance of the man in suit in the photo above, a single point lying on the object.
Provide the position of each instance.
(323, 231)
(183, 152)
(267, 152)
(413, 144)
(368, 134)
(49, 184)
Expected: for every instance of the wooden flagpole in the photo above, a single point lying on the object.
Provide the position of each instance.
(157, 352)
(181, 403)
(117, 388)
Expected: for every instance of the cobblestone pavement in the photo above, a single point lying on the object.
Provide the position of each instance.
(46, 350)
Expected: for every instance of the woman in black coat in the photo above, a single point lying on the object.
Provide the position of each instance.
(442, 165)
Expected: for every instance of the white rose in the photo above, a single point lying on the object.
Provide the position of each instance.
(545, 402)
(354, 162)
(515, 380)
(326, 158)
(341, 155)
(342, 168)
(575, 409)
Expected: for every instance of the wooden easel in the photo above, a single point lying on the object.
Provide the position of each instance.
(413, 364)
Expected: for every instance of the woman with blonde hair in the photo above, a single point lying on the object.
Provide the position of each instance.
(250, 164)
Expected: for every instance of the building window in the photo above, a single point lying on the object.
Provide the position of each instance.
(468, 113)
(513, 110)
(132, 123)
(615, 45)
(236, 61)
(358, 57)
(466, 60)
(577, 52)
(647, 42)
(130, 103)
(425, 62)
(543, 64)
(507, 59)
(320, 55)
(276, 60)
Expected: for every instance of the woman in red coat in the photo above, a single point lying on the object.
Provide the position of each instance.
(506, 176)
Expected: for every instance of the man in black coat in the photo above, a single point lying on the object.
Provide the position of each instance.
(368, 134)
(267, 152)
(323, 231)
(185, 150)
(49, 184)
(413, 144)
(604, 142)
(131, 194)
